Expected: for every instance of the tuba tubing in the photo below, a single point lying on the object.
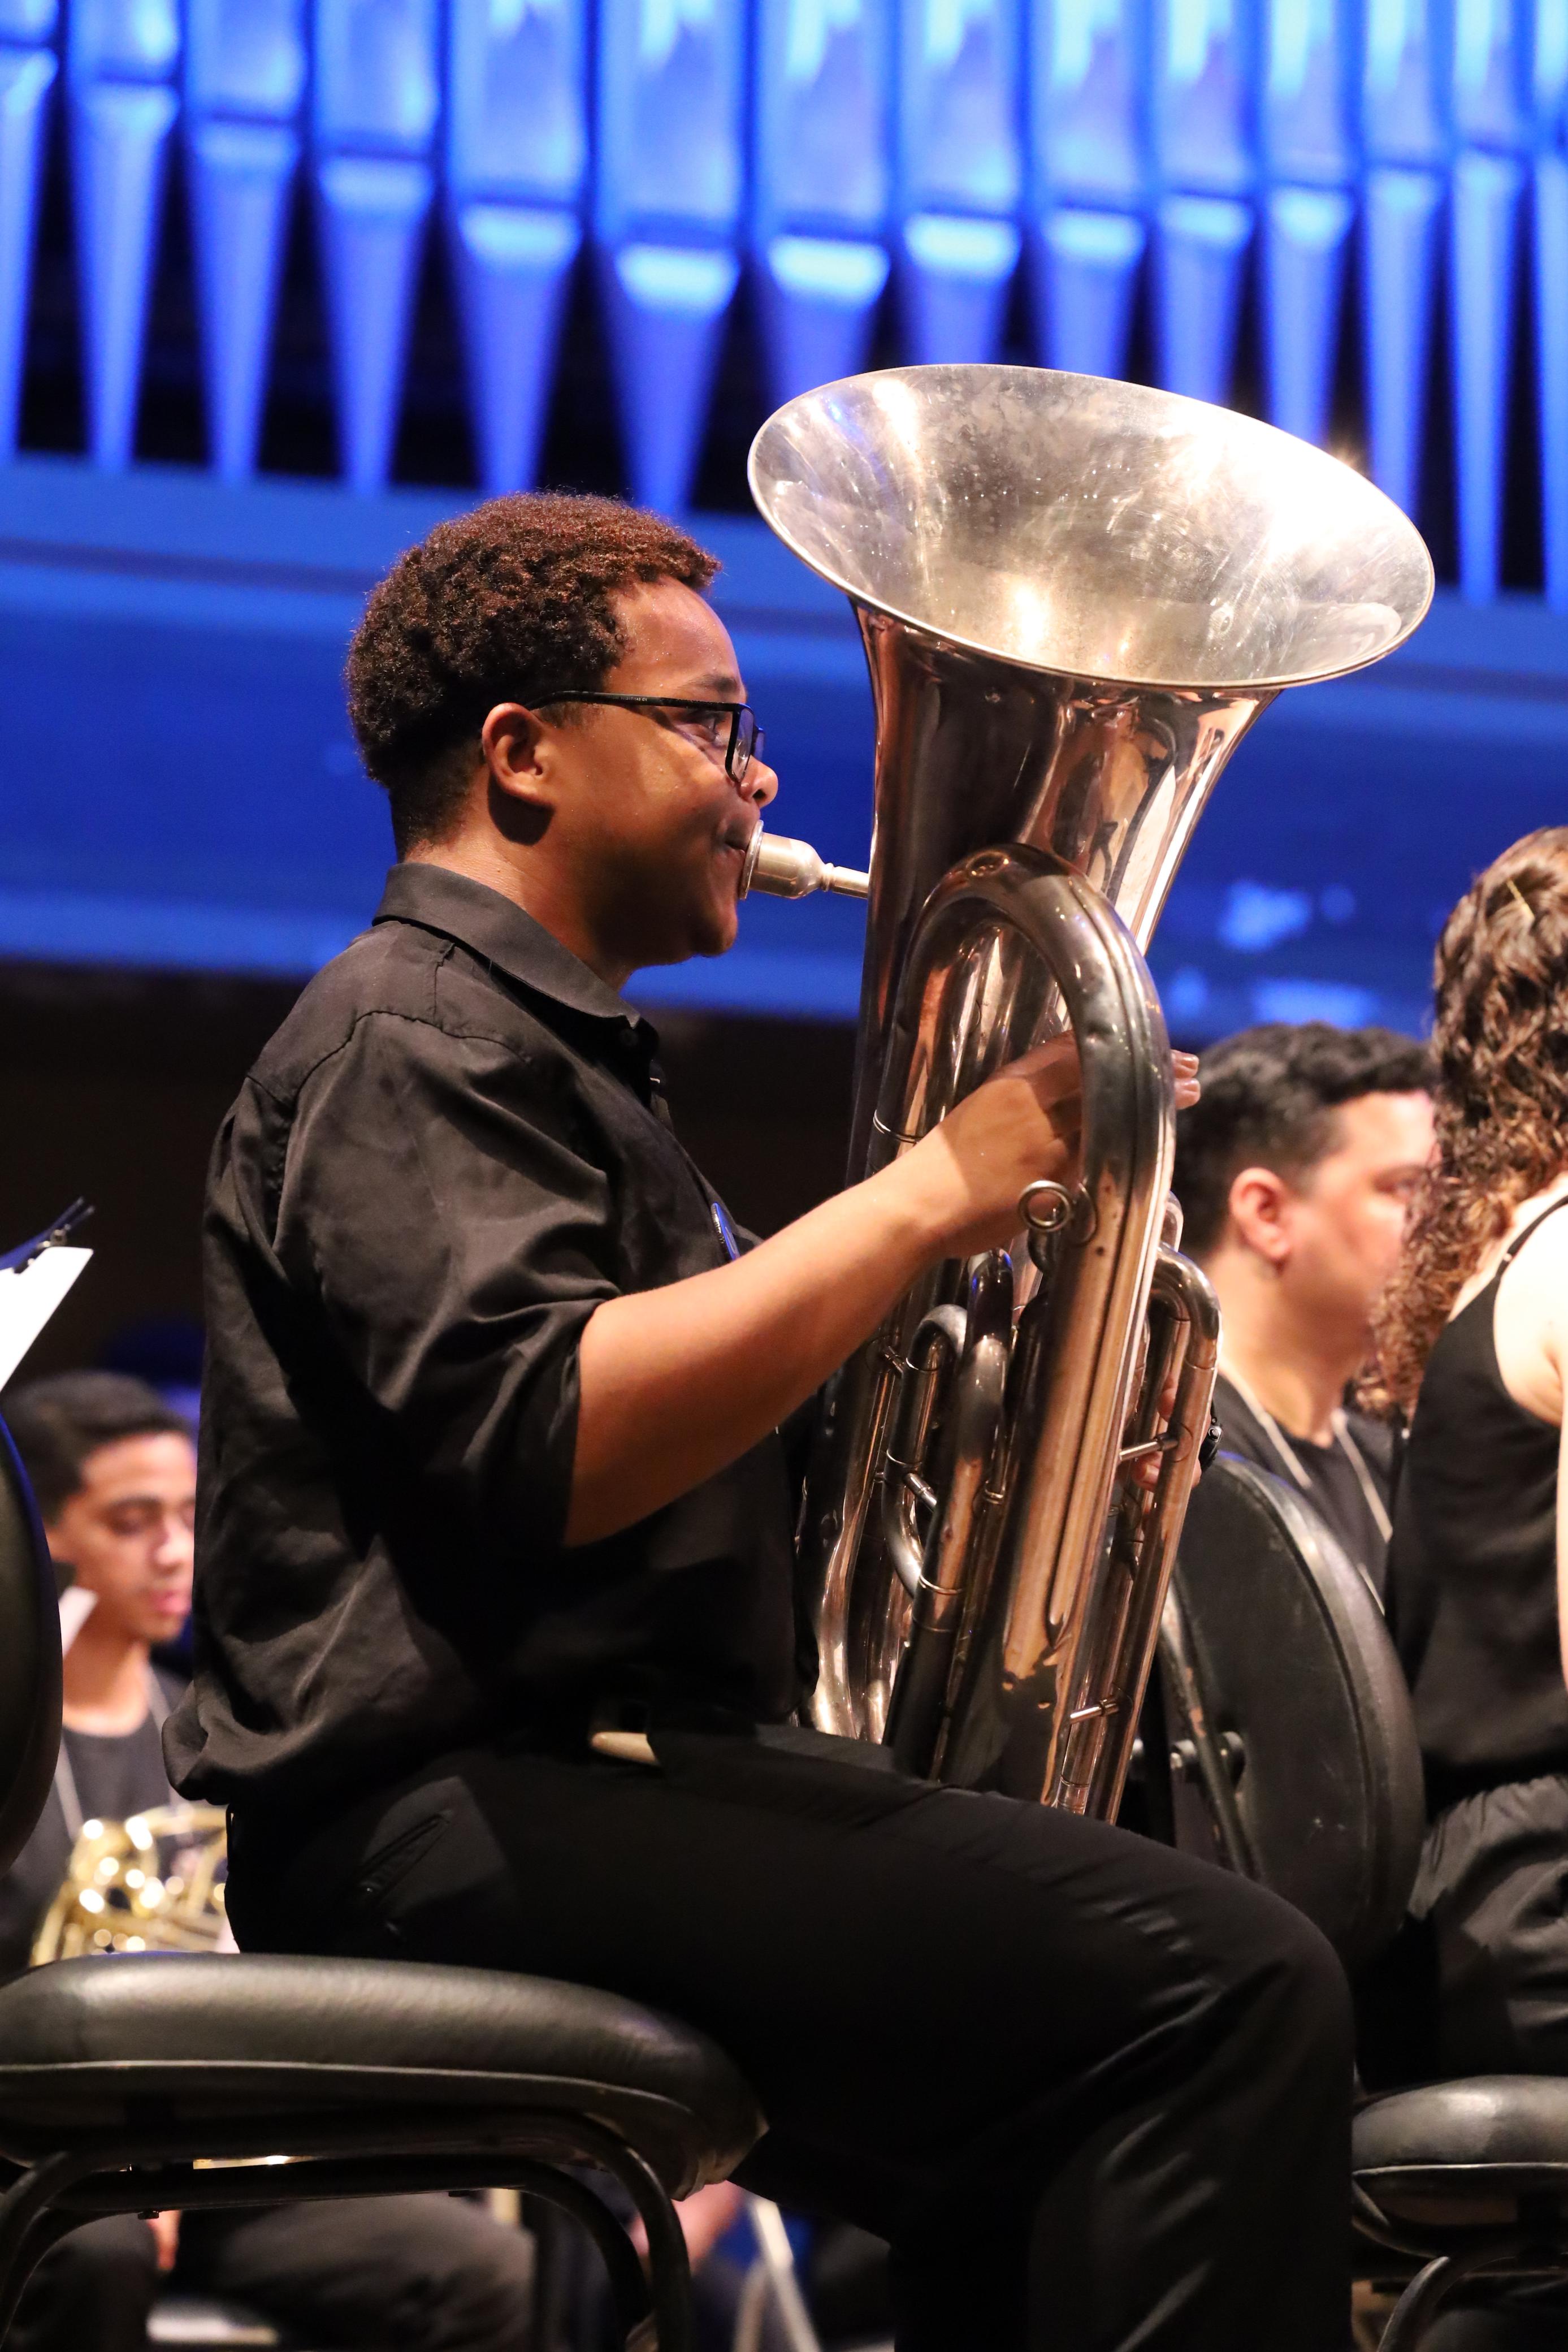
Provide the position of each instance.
(1075, 1357)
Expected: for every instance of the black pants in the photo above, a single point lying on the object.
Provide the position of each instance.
(1094, 2094)
(425, 2274)
(1492, 1896)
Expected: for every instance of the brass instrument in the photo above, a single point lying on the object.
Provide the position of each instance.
(151, 1884)
(1075, 597)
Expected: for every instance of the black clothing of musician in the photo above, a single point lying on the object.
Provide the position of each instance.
(1094, 2093)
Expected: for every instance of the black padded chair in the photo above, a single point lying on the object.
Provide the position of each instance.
(1281, 1684)
(140, 2081)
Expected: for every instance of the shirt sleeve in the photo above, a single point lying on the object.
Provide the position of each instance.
(446, 1204)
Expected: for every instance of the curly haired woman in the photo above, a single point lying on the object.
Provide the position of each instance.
(1473, 1333)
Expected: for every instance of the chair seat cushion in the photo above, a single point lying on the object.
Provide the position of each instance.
(89, 2046)
(1464, 2153)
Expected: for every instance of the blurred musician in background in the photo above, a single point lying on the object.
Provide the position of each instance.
(114, 1472)
(492, 1470)
(1472, 1333)
(1295, 1168)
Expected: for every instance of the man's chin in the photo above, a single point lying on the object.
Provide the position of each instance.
(708, 939)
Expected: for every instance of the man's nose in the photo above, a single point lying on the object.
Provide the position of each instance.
(176, 1545)
(761, 783)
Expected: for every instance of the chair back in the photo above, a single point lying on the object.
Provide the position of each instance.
(1291, 1656)
(29, 1659)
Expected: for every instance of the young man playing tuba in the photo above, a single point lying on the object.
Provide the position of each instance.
(492, 1461)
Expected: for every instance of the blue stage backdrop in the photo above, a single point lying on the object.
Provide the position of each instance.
(482, 242)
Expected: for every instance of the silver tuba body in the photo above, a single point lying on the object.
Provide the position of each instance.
(1075, 597)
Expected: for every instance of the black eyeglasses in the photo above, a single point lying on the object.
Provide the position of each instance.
(728, 729)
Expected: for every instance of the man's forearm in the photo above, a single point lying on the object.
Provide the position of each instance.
(676, 1382)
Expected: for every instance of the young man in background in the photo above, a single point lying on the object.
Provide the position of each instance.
(1294, 1170)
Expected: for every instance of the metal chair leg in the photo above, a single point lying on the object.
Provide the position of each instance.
(28, 2229)
(669, 2327)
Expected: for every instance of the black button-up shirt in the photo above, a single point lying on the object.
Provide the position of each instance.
(454, 1150)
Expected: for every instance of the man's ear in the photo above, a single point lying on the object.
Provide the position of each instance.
(1259, 1204)
(514, 745)
(515, 750)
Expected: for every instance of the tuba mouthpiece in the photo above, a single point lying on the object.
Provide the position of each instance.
(792, 869)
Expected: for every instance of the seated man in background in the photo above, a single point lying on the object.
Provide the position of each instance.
(114, 1472)
(1294, 1170)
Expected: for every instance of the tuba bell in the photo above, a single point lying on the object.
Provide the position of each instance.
(1075, 597)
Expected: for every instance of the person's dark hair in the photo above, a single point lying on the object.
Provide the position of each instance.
(497, 606)
(57, 1421)
(1501, 1041)
(1269, 1100)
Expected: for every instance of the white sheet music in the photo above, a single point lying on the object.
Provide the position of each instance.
(28, 1298)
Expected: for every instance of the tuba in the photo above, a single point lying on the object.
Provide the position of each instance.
(1075, 597)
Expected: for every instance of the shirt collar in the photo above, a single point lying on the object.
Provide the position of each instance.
(496, 927)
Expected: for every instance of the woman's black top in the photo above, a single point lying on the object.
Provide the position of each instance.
(1472, 1569)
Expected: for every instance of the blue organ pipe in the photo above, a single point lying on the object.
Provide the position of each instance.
(1492, 73)
(665, 306)
(1485, 220)
(1088, 178)
(373, 213)
(822, 182)
(375, 99)
(123, 40)
(961, 173)
(512, 265)
(377, 88)
(516, 168)
(240, 176)
(1405, 132)
(1202, 111)
(1088, 72)
(1551, 275)
(817, 297)
(121, 56)
(1200, 254)
(1306, 129)
(957, 275)
(245, 59)
(1202, 95)
(1306, 232)
(246, 68)
(26, 77)
(1401, 211)
(1087, 270)
(1548, 72)
(667, 218)
(1307, 126)
(1403, 99)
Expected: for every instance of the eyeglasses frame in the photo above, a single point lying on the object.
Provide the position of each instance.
(677, 702)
